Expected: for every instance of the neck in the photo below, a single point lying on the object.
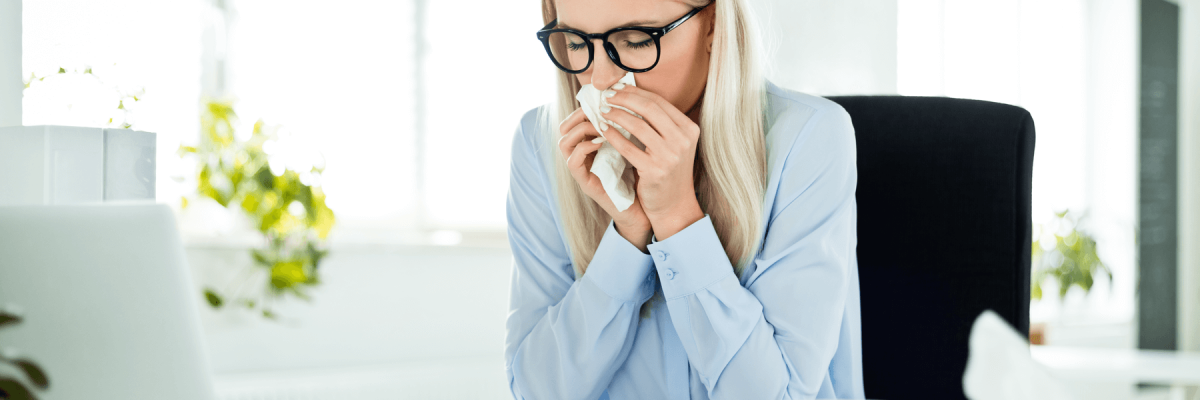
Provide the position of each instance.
(694, 112)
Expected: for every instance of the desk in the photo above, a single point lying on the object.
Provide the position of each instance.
(1106, 366)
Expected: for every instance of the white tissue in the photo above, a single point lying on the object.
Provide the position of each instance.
(999, 366)
(609, 165)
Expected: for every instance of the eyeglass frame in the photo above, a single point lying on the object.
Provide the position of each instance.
(543, 35)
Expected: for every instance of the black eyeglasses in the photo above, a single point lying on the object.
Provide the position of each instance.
(636, 50)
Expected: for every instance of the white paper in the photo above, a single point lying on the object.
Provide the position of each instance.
(999, 366)
(609, 165)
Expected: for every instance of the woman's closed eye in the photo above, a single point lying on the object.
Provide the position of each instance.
(637, 45)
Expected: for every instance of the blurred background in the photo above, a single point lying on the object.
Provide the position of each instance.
(386, 115)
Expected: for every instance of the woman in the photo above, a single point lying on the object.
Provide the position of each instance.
(733, 274)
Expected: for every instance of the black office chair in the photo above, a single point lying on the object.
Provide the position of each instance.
(943, 234)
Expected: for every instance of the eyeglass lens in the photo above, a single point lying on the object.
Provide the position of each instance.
(635, 49)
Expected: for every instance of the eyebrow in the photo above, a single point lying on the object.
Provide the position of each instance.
(634, 23)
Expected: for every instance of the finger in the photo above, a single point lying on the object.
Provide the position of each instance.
(571, 121)
(637, 127)
(623, 145)
(651, 113)
(578, 133)
(669, 109)
(576, 163)
(579, 154)
(654, 108)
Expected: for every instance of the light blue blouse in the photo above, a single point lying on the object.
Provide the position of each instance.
(788, 328)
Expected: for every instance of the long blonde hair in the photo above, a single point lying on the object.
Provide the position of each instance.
(731, 162)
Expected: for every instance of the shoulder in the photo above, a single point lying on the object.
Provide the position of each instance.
(530, 127)
(531, 173)
(811, 148)
(793, 113)
(807, 126)
(529, 142)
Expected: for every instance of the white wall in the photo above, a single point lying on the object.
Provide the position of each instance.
(831, 47)
(10, 63)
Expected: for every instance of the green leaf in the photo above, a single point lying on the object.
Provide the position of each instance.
(268, 314)
(61, 70)
(7, 319)
(264, 178)
(261, 257)
(287, 274)
(34, 373)
(12, 390)
(250, 203)
(213, 298)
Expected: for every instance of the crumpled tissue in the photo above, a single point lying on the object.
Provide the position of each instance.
(999, 366)
(609, 165)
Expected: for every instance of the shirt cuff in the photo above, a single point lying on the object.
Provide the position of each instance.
(691, 259)
(620, 269)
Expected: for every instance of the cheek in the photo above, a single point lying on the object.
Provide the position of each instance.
(671, 77)
(584, 78)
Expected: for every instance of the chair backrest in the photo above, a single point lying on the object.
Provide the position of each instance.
(944, 232)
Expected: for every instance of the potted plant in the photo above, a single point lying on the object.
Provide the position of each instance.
(285, 206)
(12, 388)
(1066, 253)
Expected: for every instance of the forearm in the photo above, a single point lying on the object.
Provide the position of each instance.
(581, 335)
(723, 326)
(575, 348)
(670, 222)
(637, 236)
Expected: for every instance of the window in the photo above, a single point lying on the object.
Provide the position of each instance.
(415, 138)
(1072, 64)
(129, 45)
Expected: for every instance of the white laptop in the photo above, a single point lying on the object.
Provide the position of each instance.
(109, 309)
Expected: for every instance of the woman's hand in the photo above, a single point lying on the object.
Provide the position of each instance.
(579, 151)
(664, 169)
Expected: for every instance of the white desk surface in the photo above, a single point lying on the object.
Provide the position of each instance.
(1107, 364)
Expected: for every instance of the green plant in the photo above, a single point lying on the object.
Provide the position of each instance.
(290, 213)
(10, 387)
(81, 97)
(1067, 254)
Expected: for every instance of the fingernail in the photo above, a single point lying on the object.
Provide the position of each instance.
(605, 109)
(603, 127)
(598, 139)
(609, 93)
(618, 86)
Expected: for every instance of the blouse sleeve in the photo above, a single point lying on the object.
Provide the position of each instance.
(775, 337)
(565, 337)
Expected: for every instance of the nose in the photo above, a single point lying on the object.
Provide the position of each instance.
(605, 73)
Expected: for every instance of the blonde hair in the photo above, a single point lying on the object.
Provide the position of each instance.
(731, 163)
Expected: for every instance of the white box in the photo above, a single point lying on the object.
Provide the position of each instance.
(74, 165)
